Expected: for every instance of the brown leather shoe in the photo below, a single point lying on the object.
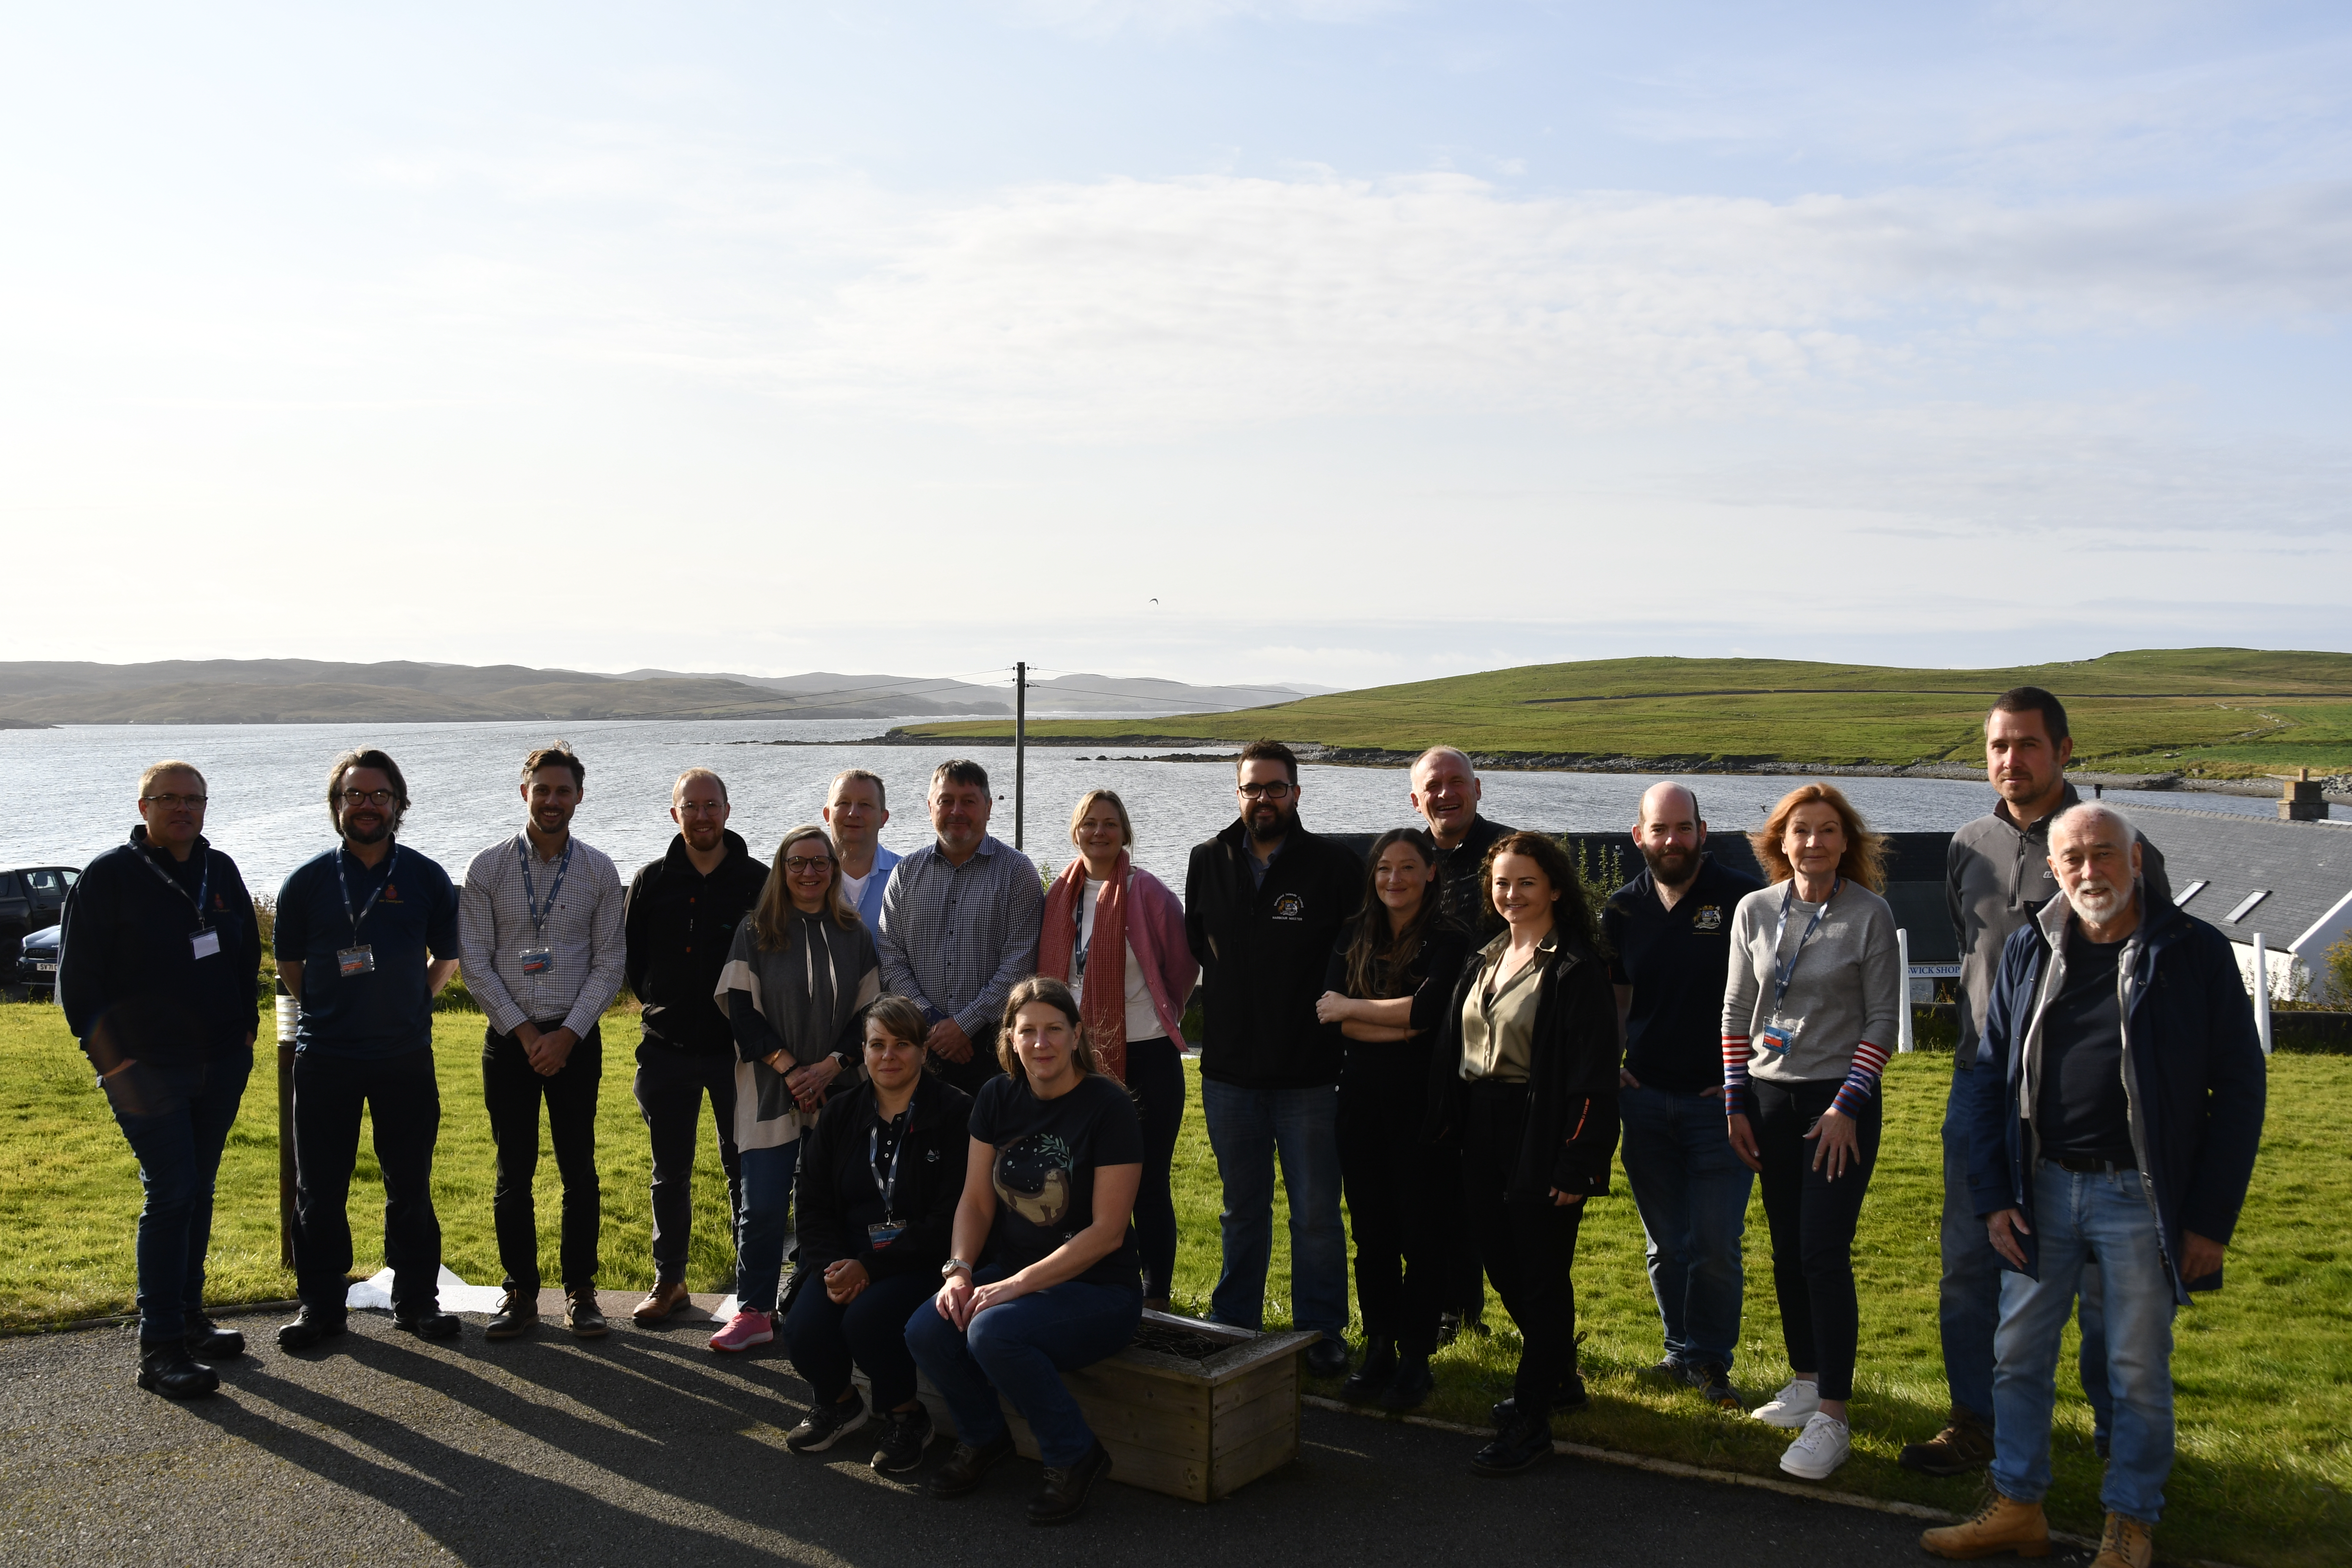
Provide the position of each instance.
(518, 1314)
(1965, 1444)
(2125, 1543)
(582, 1315)
(1999, 1524)
(659, 1303)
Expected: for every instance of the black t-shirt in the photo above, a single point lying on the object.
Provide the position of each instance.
(2080, 1109)
(1043, 1173)
(1675, 961)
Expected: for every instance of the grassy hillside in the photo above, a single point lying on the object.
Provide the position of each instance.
(2216, 711)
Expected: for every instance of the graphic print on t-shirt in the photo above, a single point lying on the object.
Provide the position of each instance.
(1033, 1178)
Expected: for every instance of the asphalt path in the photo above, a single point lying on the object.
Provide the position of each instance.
(645, 1447)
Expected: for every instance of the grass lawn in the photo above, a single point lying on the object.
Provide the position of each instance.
(2264, 1368)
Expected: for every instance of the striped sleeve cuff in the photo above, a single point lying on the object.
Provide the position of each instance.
(1862, 1079)
(1735, 1074)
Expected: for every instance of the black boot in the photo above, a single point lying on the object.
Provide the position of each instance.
(207, 1341)
(1410, 1385)
(166, 1368)
(310, 1325)
(1065, 1493)
(1522, 1441)
(1368, 1381)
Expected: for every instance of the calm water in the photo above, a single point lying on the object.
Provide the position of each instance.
(68, 792)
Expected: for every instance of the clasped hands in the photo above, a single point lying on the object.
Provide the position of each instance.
(547, 1053)
(959, 1300)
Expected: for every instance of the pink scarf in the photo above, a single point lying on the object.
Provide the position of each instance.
(1102, 1007)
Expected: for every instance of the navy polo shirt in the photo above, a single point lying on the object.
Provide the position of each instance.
(390, 1011)
(1675, 961)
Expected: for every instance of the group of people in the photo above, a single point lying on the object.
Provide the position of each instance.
(959, 1088)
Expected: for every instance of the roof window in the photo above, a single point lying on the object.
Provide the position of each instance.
(2189, 893)
(2246, 905)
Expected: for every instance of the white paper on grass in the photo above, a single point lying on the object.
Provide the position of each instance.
(374, 1294)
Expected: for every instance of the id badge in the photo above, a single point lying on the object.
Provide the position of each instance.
(204, 943)
(878, 1237)
(538, 959)
(351, 961)
(1778, 1037)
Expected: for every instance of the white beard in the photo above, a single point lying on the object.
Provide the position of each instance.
(2097, 903)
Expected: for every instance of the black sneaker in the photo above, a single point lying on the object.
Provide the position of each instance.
(1672, 1369)
(1449, 1328)
(432, 1323)
(1516, 1447)
(1714, 1385)
(207, 1341)
(827, 1424)
(963, 1470)
(905, 1434)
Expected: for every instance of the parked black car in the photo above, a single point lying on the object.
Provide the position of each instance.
(36, 964)
(32, 898)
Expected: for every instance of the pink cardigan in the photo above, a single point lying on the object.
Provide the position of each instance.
(1155, 930)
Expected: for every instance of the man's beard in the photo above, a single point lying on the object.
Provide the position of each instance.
(377, 834)
(1265, 832)
(2096, 905)
(1672, 867)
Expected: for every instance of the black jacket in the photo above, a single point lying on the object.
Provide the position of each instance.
(837, 1198)
(132, 985)
(1572, 1130)
(1429, 980)
(1460, 886)
(1262, 951)
(678, 924)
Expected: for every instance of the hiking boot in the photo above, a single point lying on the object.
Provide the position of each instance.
(908, 1434)
(659, 1303)
(207, 1341)
(1713, 1382)
(580, 1314)
(967, 1465)
(827, 1424)
(1569, 1393)
(1367, 1380)
(166, 1368)
(1819, 1448)
(310, 1325)
(518, 1314)
(1064, 1496)
(1796, 1404)
(2125, 1543)
(431, 1323)
(1999, 1524)
(1519, 1444)
(1965, 1444)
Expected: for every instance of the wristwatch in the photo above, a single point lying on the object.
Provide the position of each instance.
(954, 1267)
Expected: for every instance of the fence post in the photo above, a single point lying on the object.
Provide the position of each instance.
(290, 1014)
(1903, 1013)
(2263, 991)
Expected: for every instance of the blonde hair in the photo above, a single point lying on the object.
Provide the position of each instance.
(1055, 994)
(771, 918)
(153, 771)
(1864, 861)
(1089, 800)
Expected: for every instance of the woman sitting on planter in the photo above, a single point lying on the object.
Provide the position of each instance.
(879, 1180)
(1048, 1195)
(1390, 979)
(1527, 1085)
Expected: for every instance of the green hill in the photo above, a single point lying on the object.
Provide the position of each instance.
(2214, 712)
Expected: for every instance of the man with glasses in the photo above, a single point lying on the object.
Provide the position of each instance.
(367, 935)
(155, 972)
(1264, 903)
(676, 924)
(540, 926)
(855, 814)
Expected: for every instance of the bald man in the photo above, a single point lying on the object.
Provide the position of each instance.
(1669, 936)
(1445, 792)
(679, 919)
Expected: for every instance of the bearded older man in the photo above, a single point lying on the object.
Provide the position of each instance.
(2114, 1113)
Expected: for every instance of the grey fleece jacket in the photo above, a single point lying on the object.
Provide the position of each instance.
(1846, 988)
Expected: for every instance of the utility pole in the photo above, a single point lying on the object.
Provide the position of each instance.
(1020, 745)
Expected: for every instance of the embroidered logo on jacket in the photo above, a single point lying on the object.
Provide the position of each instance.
(1710, 918)
(1290, 907)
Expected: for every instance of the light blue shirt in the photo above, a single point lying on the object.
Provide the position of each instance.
(869, 902)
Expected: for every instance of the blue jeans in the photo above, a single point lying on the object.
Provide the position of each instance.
(763, 1223)
(177, 1122)
(1968, 1302)
(1249, 1127)
(2085, 1220)
(1692, 1192)
(1020, 1349)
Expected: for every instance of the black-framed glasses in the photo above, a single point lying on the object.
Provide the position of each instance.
(369, 798)
(796, 864)
(1277, 790)
(173, 802)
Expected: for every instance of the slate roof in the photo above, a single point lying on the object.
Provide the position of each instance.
(2306, 866)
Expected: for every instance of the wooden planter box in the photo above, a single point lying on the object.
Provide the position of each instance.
(1196, 1428)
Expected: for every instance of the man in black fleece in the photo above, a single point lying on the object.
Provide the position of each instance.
(156, 968)
(1264, 901)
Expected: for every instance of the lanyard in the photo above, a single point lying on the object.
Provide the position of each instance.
(530, 895)
(1784, 973)
(874, 1162)
(344, 882)
(204, 885)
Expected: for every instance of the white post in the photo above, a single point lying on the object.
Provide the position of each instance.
(1903, 1013)
(2263, 991)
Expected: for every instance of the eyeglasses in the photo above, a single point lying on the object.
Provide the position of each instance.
(1277, 790)
(368, 797)
(796, 864)
(173, 802)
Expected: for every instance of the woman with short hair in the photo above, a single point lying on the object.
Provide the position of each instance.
(1048, 1193)
(1115, 934)
(1809, 1010)
(1526, 1086)
(798, 975)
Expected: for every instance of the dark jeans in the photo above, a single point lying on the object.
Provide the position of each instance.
(1812, 1221)
(764, 1225)
(403, 1099)
(1399, 1223)
(671, 1086)
(1248, 1130)
(1528, 1244)
(823, 1340)
(1692, 1189)
(1155, 1071)
(1020, 1349)
(176, 1120)
(511, 1090)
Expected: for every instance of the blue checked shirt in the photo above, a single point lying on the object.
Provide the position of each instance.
(958, 939)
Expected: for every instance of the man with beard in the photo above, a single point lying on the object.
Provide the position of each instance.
(2114, 1113)
(539, 922)
(1669, 935)
(676, 924)
(1264, 901)
(367, 934)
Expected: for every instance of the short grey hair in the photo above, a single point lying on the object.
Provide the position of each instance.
(2083, 813)
(1468, 766)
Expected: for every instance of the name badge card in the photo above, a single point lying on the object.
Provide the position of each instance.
(204, 943)
(354, 960)
(537, 960)
(1777, 1037)
(881, 1235)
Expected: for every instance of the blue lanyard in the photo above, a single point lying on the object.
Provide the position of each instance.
(1784, 973)
(204, 885)
(531, 896)
(344, 882)
(874, 1162)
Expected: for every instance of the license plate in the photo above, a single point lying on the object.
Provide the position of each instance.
(46, 968)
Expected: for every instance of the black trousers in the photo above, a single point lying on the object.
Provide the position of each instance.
(969, 1076)
(1528, 1244)
(404, 1100)
(1403, 1244)
(512, 1090)
(1812, 1221)
(1155, 1072)
(671, 1086)
(824, 1340)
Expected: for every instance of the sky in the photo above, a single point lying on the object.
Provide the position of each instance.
(1342, 341)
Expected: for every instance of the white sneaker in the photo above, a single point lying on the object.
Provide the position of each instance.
(1791, 1407)
(1819, 1450)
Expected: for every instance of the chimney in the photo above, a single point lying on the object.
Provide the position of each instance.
(2302, 801)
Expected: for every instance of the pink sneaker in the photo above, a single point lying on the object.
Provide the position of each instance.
(743, 1331)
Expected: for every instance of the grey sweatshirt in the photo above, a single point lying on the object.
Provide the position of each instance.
(1846, 989)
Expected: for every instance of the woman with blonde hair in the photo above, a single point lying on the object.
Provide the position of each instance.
(1809, 1012)
(1115, 935)
(797, 975)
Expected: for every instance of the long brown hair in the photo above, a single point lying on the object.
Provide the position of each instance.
(771, 918)
(1055, 994)
(1376, 961)
(1570, 915)
(1864, 861)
